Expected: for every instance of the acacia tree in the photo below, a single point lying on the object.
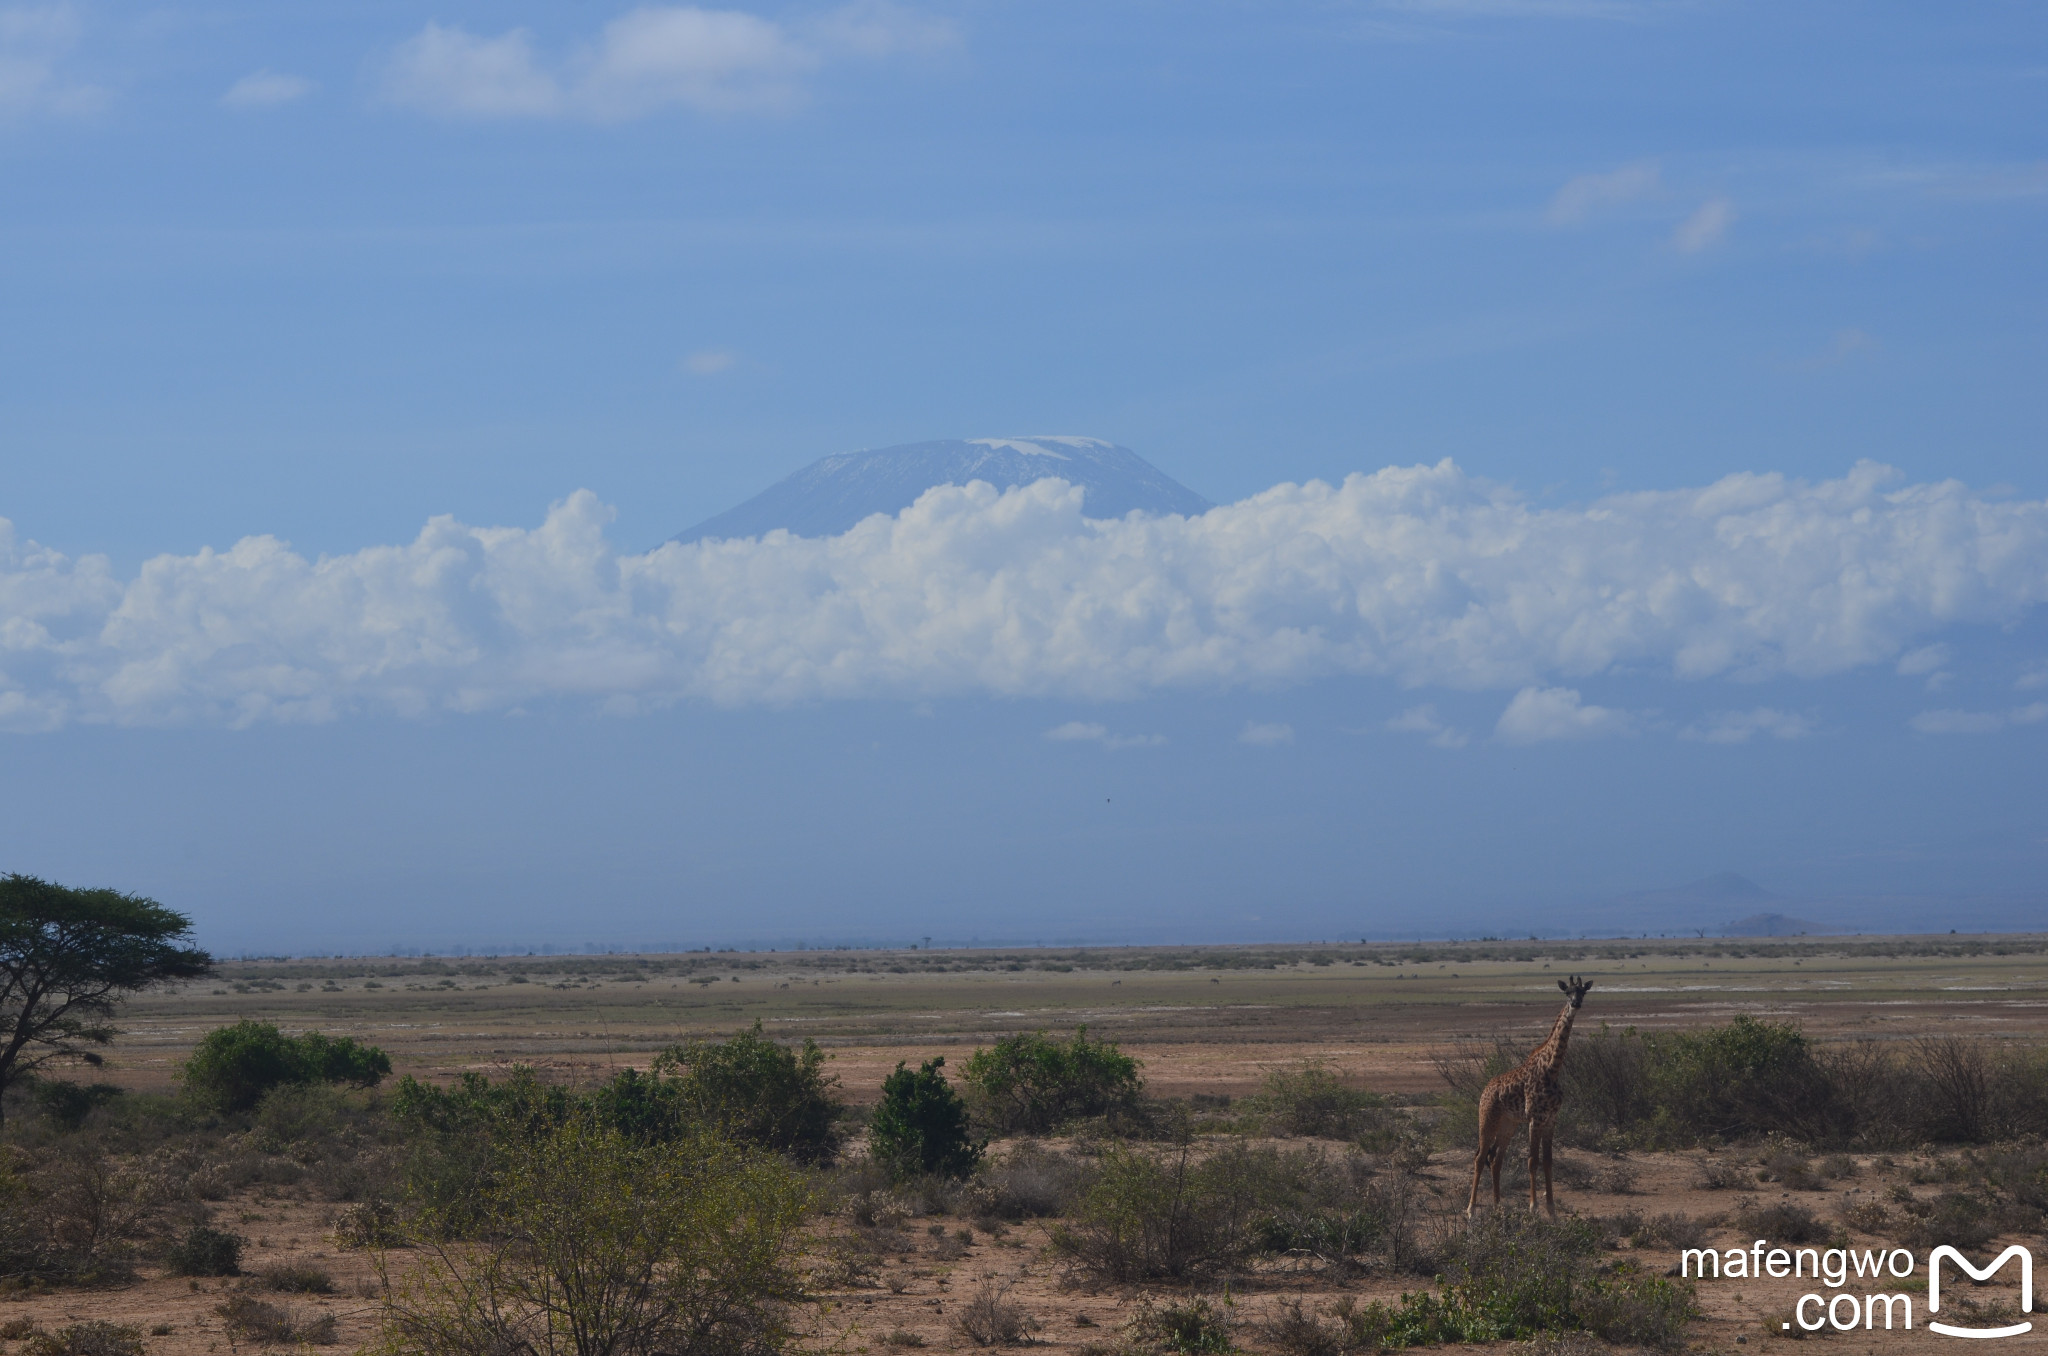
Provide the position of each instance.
(67, 959)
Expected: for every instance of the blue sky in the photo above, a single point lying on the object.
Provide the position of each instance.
(322, 273)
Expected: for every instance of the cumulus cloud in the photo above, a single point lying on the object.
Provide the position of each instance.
(1738, 727)
(1537, 715)
(648, 59)
(1090, 732)
(1422, 575)
(266, 89)
(1588, 194)
(1265, 735)
(36, 42)
(1423, 720)
(1704, 228)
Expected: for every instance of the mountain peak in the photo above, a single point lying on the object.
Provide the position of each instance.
(833, 493)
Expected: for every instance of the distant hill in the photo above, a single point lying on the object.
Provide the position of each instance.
(833, 493)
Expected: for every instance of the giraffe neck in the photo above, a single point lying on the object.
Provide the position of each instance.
(1550, 1054)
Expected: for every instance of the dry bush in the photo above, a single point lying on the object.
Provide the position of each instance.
(1309, 1099)
(1791, 1170)
(1866, 1215)
(1717, 1174)
(1676, 1229)
(1617, 1178)
(1959, 1218)
(87, 1339)
(626, 1246)
(1152, 1215)
(1781, 1222)
(369, 1224)
(1030, 1182)
(992, 1319)
(296, 1278)
(1295, 1330)
(255, 1320)
(1956, 1074)
(902, 1337)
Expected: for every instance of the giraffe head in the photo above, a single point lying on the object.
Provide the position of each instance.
(1575, 989)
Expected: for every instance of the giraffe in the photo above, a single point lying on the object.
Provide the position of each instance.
(1529, 1092)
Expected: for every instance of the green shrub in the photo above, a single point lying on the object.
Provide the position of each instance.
(1310, 1100)
(234, 1066)
(459, 1137)
(1745, 1078)
(754, 1090)
(1195, 1327)
(603, 1243)
(920, 1127)
(1516, 1276)
(205, 1251)
(68, 1104)
(1032, 1084)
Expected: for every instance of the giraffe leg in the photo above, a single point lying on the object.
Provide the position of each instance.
(1535, 1156)
(1478, 1166)
(1500, 1153)
(1549, 1199)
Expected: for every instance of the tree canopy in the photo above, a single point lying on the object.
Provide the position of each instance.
(67, 959)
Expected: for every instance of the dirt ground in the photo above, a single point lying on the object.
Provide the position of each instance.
(921, 1291)
(1211, 1031)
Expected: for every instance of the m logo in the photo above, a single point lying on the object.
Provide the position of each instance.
(2026, 1288)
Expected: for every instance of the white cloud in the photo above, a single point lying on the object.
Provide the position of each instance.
(1265, 735)
(452, 72)
(1958, 722)
(2034, 677)
(648, 59)
(1422, 575)
(708, 362)
(1737, 727)
(1423, 720)
(35, 43)
(1088, 731)
(1925, 660)
(1704, 228)
(1587, 194)
(266, 89)
(1539, 714)
(1978, 722)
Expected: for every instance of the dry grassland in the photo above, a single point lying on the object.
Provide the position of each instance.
(1213, 1022)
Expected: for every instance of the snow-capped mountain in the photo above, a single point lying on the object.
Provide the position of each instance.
(833, 493)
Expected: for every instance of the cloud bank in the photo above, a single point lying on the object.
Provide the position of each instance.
(1422, 575)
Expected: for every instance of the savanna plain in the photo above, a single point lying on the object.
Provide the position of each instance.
(1125, 1151)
